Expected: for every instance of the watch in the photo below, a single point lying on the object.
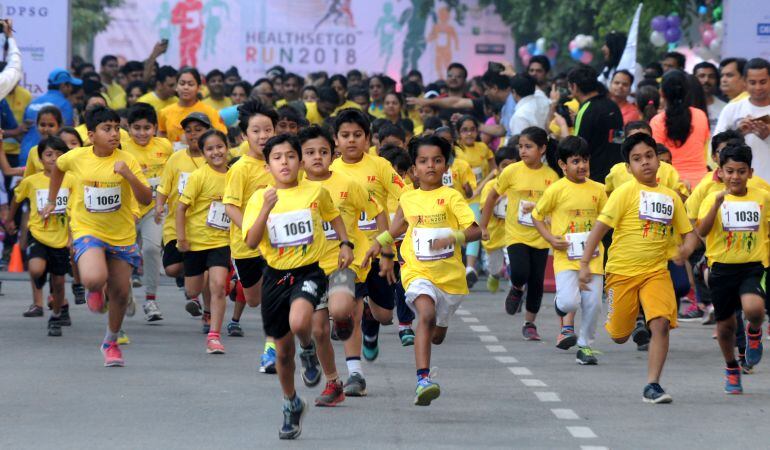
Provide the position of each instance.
(349, 244)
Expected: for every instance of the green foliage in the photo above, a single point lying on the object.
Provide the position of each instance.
(89, 17)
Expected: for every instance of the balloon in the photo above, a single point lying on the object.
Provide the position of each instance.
(673, 35)
(703, 52)
(576, 54)
(540, 44)
(582, 41)
(587, 57)
(719, 28)
(525, 59)
(531, 48)
(716, 46)
(523, 51)
(590, 41)
(708, 36)
(657, 39)
(717, 14)
(553, 50)
(673, 21)
(702, 10)
(572, 45)
(659, 24)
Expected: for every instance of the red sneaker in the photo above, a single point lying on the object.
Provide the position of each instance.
(331, 395)
(95, 301)
(113, 357)
(214, 346)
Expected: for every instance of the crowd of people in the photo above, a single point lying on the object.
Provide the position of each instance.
(333, 201)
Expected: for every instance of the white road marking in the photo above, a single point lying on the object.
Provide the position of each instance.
(488, 338)
(462, 312)
(506, 359)
(565, 414)
(532, 382)
(496, 349)
(593, 447)
(480, 328)
(520, 371)
(547, 396)
(581, 432)
(469, 319)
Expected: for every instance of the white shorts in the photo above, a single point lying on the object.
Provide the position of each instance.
(446, 304)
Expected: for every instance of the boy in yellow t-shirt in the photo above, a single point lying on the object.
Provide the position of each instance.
(644, 216)
(48, 241)
(106, 184)
(151, 153)
(202, 229)
(734, 223)
(437, 222)
(286, 223)
(573, 204)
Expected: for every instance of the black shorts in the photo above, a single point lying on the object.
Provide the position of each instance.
(195, 263)
(57, 259)
(249, 270)
(281, 287)
(171, 254)
(728, 282)
(377, 288)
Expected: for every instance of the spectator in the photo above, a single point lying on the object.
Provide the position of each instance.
(11, 74)
(538, 68)
(731, 81)
(164, 93)
(530, 110)
(673, 61)
(134, 91)
(215, 81)
(708, 77)
(263, 91)
(620, 88)
(109, 71)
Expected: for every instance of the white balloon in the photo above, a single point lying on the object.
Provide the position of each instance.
(716, 46)
(719, 28)
(580, 40)
(657, 39)
(540, 44)
(590, 41)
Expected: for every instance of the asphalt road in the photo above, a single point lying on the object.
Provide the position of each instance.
(498, 391)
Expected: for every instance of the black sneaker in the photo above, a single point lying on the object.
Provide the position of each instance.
(179, 282)
(311, 373)
(471, 277)
(343, 329)
(64, 318)
(79, 291)
(641, 335)
(513, 300)
(293, 413)
(33, 311)
(54, 327)
(653, 393)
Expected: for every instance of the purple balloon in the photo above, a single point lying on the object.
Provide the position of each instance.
(673, 21)
(659, 23)
(673, 35)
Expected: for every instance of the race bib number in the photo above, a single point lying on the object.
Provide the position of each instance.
(501, 208)
(183, 177)
(329, 232)
(61, 200)
(365, 224)
(290, 229)
(101, 200)
(422, 240)
(656, 207)
(577, 244)
(525, 218)
(218, 217)
(478, 172)
(446, 179)
(154, 183)
(740, 216)
(399, 238)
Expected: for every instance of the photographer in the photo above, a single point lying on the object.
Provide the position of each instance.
(11, 75)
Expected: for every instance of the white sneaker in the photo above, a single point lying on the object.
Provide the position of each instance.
(151, 311)
(131, 307)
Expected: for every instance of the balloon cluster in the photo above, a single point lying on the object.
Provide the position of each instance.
(665, 30)
(711, 33)
(579, 48)
(539, 47)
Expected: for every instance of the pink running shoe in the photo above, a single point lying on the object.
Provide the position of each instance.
(113, 357)
(214, 346)
(95, 301)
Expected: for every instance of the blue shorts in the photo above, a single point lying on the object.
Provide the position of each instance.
(127, 253)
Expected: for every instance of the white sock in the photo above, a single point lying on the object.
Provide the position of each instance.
(354, 366)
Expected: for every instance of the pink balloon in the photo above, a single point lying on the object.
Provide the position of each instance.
(525, 59)
(523, 51)
(587, 57)
(572, 45)
(708, 36)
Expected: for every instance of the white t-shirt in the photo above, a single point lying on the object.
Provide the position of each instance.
(728, 120)
(715, 109)
(531, 111)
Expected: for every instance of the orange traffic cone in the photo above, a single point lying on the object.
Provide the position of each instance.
(16, 264)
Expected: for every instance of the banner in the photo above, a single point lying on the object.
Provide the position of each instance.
(377, 36)
(747, 29)
(41, 28)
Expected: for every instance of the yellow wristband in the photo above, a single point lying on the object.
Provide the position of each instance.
(385, 239)
(459, 237)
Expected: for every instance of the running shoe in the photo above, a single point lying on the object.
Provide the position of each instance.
(471, 277)
(753, 348)
(214, 346)
(708, 316)
(131, 307)
(733, 384)
(95, 301)
(193, 306)
(566, 340)
(64, 318)
(113, 357)
(206, 320)
(355, 386)
(426, 391)
(267, 361)
(33, 311)
(587, 357)
(79, 291)
(653, 393)
(745, 367)
(234, 329)
(493, 283)
(641, 335)
(151, 311)
(529, 330)
(343, 329)
(513, 300)
(136, 281)
(331, 395)
(54, 326)
(311, 370)
(123, 338)
(691, 314)
(179, 282)
(370, 349)
(407, 337)
(293, 413)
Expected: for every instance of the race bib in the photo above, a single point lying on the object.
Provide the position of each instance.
(290, 229)
(525, 218)
(577, 243)
(183, 177)
(478, 172)
(61, 200)
(422, 240)
(740, 216)
(656, 207)
(399, 238)
(365, 224)
(218, 217)
(154, 183)
(446, 179)
(501, 208)
(101, 200)
(329, 232)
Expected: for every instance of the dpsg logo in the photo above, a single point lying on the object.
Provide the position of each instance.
(763, 29)
(22, 9)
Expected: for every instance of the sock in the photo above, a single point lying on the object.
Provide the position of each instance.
(269, 344)
(422, 373)
(469, 270)
(732, 364)
(234, 320)
(213, 334)
(404, 326)
(109, 336)
(150, 297)
(567, 328)
(354, 365)
(333, 377)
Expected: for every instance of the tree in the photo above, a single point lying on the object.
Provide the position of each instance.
(89, 18)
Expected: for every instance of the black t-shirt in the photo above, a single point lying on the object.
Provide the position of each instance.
(601, 126)
(477, 111)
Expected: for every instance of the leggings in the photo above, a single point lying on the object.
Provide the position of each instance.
(527, 266)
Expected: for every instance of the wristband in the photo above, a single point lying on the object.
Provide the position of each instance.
(349, 244)
(387, 255)
(385, 239)
(51, 202)
(459, 237)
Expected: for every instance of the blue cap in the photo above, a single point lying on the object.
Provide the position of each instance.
(59, 76)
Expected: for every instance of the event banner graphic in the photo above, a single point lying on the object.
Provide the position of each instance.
(747, 29)
(390, 36)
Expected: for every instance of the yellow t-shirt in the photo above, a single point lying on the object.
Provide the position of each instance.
(170, 119)
(116, 96)
(18, 100)
(83, 132)
(207, 225)
(240, 150)
(458, 175)
(312, 114)
(644, 225)
(352, 200)
(523, 187)
(101, 200)
(151, 158)
(708, 185)
(243, 179)
(34, 165)
(175, 175)
(377, 111)
(54, 231)
(347, 105)
(573, 209)
(667, 176)
(740, 231)
(377, 176)
(218, 104)
(431, 215)
(152, 99)
(294, 235)
(496, 226)
(477, 157)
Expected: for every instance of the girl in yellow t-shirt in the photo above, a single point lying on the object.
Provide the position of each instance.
(188, 86)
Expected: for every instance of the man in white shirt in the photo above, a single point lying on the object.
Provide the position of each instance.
(751, 116)
(708, 77)
(11, 75)
(531, 104)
